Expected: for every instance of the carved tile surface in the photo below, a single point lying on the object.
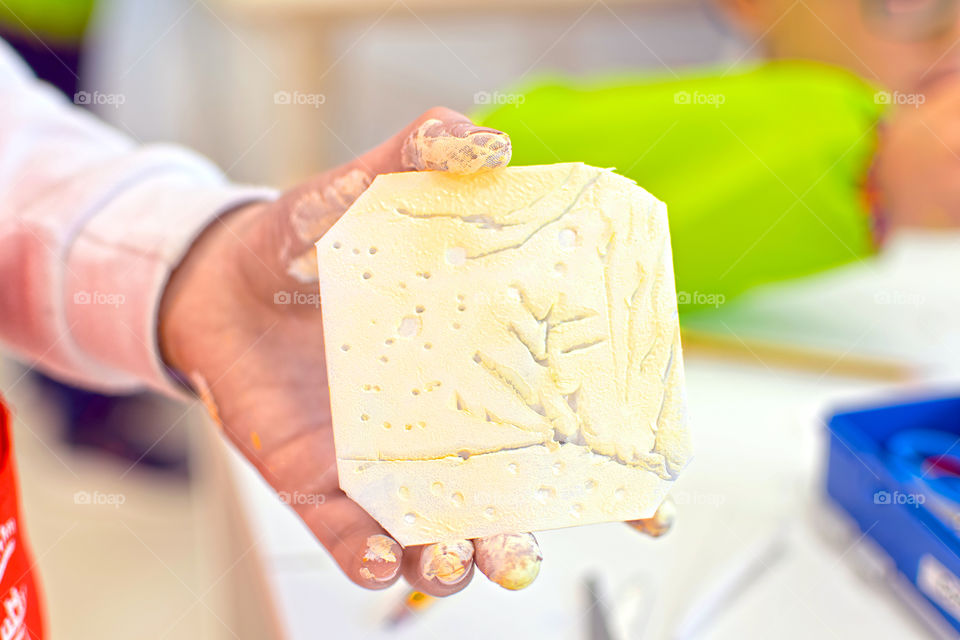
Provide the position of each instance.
(503, 351)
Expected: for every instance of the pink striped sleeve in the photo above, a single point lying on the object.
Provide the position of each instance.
(91, 226)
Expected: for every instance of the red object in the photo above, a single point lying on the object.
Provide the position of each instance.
(945, 465)
(21, 616)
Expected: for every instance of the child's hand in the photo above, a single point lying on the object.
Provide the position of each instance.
(241, 318)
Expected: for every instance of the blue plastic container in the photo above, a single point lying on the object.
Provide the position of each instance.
(887, 504)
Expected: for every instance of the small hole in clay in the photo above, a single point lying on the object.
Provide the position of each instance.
(427, 345)
(461, 308)
(477, 358)
(410, 518)
(388, 341)
(356, 251)
(619, 494)
(426, 275)
(367, 275)
(545, 493)
(420, 308)
(436, 488)
(567, 238)
(364, 417)
(456, 255)
(337, 245)
(464, 454)
(408, 327)
(373, 250)
(344, 347)
(456, 325)
(415, 392)
(384, 359)
(457, 499)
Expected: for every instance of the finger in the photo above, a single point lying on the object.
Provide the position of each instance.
(512, 560)
(440, 139)
(439, 569)
(660, 523)
(299, 462)
(366, 554)
(456, 145)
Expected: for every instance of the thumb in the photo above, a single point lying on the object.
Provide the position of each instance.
(440, 139)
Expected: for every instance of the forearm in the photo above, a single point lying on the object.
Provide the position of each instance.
(90, 230)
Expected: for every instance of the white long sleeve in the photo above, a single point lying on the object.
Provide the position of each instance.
(91, 226)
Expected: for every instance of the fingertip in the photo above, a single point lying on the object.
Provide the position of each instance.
(445, 140)
(660, 522)
(439, 569)
(448, 563)
(512, 560)
(379, 562)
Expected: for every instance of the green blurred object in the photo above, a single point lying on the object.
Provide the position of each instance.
(762, 170)
(63, 21)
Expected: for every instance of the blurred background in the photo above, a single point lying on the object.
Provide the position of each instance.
(364, 68)
(152, 527)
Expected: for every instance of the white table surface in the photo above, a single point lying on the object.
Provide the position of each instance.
(903, 305)
(758, 436)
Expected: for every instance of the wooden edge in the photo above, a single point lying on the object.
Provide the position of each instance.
(797, 357)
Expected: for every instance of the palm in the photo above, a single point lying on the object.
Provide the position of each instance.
(264, 376)
(274, 402)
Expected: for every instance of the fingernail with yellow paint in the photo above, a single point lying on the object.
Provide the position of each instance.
(446, 562)
(380, 561)
(512, 560)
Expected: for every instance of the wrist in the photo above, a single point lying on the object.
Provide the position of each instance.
(198, 286)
